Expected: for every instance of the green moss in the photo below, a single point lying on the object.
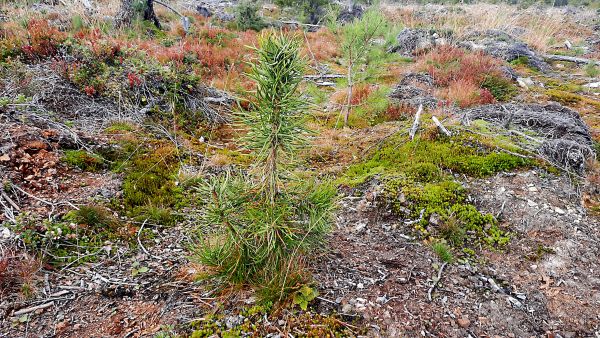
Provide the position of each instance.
(83, 160)
(563, 97)
(118, 127)
(155, 215)
(444, 211)
(501, 88)
(462, 154)
(562, 86)
(150, 179)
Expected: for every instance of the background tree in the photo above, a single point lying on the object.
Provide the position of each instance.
(129, 9)
(357, 40)
(312, 10)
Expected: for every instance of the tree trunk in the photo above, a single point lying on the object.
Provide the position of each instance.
(149, 13)
(125, 15)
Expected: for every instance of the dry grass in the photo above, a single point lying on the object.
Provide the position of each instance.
(539, 27)
(17, 272)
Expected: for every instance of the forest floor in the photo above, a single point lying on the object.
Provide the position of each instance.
(485, 233)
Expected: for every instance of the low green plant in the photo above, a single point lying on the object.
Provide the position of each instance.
(77, 237)
(93, 216)
(591, 70)
(83, 160)
(443, 251)
(264, 222)
(304, 296)
(501, 88)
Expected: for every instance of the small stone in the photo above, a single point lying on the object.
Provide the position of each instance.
(346, 308)
(360, 226)
(559, 211)
(5, 233)
(464, 322)
(531, 203)
(533, 189)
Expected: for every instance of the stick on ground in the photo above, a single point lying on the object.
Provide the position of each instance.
(415, 126)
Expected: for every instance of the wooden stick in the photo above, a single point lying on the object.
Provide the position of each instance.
(10, 201)
(441, 126)
(439, 276)
(33, 308)
(415, 126)
(324, 76)
(555, 57)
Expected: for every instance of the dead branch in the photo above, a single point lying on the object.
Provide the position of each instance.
(441, 126)
(415, 126)
(436, 281)
(33, 308)
(554, 57)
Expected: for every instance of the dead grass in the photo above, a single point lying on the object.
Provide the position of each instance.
(17, 272)
(538, 27)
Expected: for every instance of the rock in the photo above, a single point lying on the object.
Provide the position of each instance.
(509, 72)
(531, 203)
(504, 46)
(592, 85)
(6, 233)
(568, 44)
(464, 322)
(559, 211)
(225, 17)
(412, 41)
(203, 11)
(347, 308)
(415, 89)
(525, 82)
(565, 138)
(434, 219)
(348, 14)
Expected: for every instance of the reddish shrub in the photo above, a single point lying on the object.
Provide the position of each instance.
(465, 94)
(396, 112)
(322, 44)
(42, 38)
(447, 64)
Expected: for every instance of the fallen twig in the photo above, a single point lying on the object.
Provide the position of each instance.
(33, 308)
(140, 241)
(555, 57)
(436, 281)
(10, 201)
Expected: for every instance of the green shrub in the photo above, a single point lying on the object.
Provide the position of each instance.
(247, 17)
(501, 88)
(93, 216)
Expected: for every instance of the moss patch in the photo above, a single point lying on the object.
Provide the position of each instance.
(83, 160)
(463, 154)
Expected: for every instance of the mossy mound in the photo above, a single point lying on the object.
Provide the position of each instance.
(424, 159)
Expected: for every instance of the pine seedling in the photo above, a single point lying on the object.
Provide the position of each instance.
(265, 222)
